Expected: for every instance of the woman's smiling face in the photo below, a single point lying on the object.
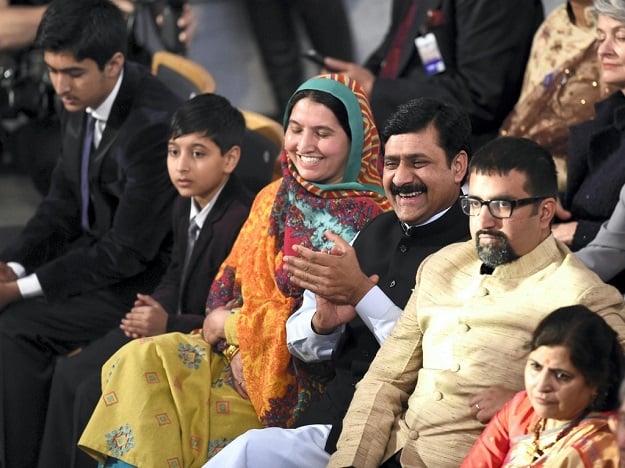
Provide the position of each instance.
(316, 143)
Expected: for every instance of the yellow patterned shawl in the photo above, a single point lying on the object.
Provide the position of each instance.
(287, 212)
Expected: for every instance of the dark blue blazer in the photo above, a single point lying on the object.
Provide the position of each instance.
(596, 168)
(128, 246)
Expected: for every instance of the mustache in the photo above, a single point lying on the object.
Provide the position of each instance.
(408, 188)
(492, 233)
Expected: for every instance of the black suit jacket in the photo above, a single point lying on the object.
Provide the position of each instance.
(127, 248)
(596, 168)
(484, 44)
(212, 246)
(396, 264)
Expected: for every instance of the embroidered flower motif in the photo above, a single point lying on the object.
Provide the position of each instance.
(120, 441)
(315, 231)
(215, 446)
(191, 355)
(225, 378)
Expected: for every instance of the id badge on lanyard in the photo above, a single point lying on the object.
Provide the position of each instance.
(430, 54)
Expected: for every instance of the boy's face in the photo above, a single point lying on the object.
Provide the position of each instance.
(197, 167)
(81, 84)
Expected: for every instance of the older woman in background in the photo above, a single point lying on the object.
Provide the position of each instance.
(596, 160)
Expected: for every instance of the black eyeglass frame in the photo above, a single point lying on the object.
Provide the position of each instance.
(513, 204)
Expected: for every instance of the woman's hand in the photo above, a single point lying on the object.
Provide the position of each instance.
(213, 329)
(236, 365)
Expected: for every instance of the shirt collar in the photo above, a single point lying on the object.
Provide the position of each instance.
(200, 216)
(102, 112)
(431, 220)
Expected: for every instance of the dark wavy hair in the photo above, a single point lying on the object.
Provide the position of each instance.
(88, 29)
(593, 347)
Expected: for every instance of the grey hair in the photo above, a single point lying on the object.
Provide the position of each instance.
(614, 9)
(621, 392)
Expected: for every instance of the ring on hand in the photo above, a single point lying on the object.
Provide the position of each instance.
(477, 406)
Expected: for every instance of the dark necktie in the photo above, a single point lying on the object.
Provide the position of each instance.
(84, 172)
(390, 66)
(192, 234)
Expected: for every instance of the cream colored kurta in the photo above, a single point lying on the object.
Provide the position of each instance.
(461, 332)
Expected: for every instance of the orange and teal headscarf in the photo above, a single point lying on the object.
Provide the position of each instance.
(358, 195)
(295, 211)
(364, 164)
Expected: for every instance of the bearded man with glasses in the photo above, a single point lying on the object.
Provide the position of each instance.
(457, 351)
(493, 254)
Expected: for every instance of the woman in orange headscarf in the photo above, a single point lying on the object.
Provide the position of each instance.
(177, 399)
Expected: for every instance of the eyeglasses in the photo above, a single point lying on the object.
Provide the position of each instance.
(498, 208)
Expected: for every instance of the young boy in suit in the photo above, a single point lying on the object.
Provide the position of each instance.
(203, 150)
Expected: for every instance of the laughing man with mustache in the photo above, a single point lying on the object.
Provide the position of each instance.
(474, 307)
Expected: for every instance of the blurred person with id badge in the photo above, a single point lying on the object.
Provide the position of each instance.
(468, 53)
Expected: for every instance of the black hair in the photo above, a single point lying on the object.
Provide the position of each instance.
(593, 347)
(88, 29)
(211, 115)
(331, 102)
(451, 122)
(504, 154)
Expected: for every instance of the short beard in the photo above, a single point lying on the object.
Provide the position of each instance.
(493, 255)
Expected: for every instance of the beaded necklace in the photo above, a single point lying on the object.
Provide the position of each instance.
(536, 451)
